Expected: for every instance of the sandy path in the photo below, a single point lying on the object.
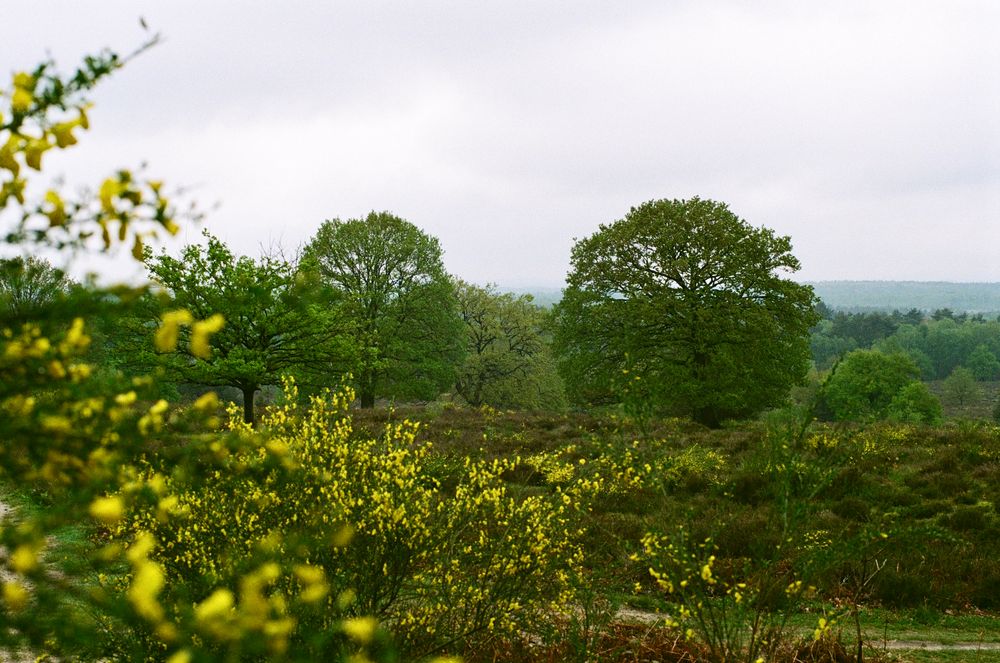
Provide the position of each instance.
(645, 617)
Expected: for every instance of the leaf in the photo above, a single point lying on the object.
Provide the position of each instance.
(7, 159)
(109, 189)
(57, 215)
(33, 152)
(64, 134)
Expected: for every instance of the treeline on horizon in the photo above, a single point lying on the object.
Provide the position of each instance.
(926, 296)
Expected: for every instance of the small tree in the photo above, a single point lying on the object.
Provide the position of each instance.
(390, 278)
(960, 387)
(27, 286)
(983, 363)
(273, 325)
(866, 383)
(915, 404)
(508, 362)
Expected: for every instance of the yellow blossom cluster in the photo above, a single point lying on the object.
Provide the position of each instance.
(355, 526)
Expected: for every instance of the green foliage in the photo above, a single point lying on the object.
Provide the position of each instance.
(826, 347)
(960, 387)
(508, 362)
(389, 277)
(938, 345)
(28, 286)
(273, 323)
(865, 384)
(915, 404)
(983, 363)
(688, 297)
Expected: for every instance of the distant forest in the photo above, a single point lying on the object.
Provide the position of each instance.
(869, 296)
(861, 296)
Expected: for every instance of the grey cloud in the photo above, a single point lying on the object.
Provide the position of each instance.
(861, 129)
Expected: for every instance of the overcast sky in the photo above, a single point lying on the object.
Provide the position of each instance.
(869, 131)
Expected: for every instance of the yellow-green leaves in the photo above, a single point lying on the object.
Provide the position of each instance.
(7, 152)
(33, 152)
(56, 208)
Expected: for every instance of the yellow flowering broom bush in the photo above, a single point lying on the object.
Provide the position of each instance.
(366, 532)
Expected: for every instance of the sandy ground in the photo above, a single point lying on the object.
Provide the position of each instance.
(644, 617)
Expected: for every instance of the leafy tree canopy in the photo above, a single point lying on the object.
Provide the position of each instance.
(390, 277)
(273, 325)
(960, 387)
(508, 361)
(983, 363)
(865, 383)
(27, 286)
(683, 305)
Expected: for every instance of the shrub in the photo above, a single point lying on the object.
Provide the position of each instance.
(865, 383)
(915, 404)
(442, 569)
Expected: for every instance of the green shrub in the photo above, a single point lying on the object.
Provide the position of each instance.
(864, 384)
(915, 404)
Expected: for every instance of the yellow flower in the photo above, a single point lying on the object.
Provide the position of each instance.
(57, 211)
(361, 629)
(108, 510)
(200, 333)
(21, 100)
(24, 559)
(33, 152)
(207, 402)
(166, 336)
(217, 605)
(7, 152)
(15, 595)
(183, 656)
(146, 585)
(125, 399)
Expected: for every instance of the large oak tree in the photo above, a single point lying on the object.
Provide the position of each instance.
(390, 276)
(682, 305)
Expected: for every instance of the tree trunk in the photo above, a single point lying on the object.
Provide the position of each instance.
(248, 393)
(367, 389)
